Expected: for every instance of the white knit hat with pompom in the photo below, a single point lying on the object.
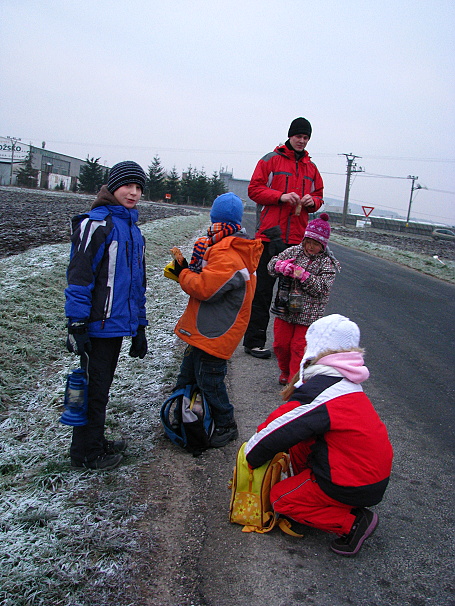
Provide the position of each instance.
(332, 333)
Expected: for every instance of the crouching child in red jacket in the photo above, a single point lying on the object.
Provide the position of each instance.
(340, 451)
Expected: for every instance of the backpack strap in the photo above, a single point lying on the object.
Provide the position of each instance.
(285, 526)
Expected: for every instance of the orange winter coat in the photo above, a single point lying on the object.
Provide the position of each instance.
(219, 308)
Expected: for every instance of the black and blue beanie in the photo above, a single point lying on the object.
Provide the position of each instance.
(227, 208)
(300, 126)
(124, 173)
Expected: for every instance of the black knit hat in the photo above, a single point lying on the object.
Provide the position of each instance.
(300, 126)
(124, 173)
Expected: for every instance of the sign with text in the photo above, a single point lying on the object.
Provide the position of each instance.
(6, 150)
(363, 223)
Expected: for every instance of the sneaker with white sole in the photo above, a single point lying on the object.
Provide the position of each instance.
(258, 352)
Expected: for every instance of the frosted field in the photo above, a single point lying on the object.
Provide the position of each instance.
(63, 529)
(67, 536)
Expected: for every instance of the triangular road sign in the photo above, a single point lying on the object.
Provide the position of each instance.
(367, 210)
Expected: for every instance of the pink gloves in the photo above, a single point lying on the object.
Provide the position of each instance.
(281, 266)
(288, 268)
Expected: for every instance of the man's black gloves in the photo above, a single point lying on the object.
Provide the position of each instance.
(78, 340)
(276, 244)
(139, 347)
(178, 268)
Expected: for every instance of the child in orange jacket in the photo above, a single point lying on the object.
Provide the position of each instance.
(221, 281)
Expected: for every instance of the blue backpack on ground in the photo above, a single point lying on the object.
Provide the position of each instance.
(187, 419)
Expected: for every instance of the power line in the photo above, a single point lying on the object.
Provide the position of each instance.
(255, 152)
(381, 206)
(383, 176)
(442, 191)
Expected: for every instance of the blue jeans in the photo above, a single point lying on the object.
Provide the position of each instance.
(208, 372)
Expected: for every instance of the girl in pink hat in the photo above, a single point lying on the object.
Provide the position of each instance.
(306, 273)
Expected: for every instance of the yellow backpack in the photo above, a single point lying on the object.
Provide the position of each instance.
(250, 494)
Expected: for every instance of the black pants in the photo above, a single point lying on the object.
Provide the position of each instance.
(256, 333)
(88, 441)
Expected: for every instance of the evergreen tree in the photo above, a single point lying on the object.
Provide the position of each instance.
(156, 181)
(217, 186)
(27, 176)
(202, 189)
(173, 186)
(188, 187)
(91, 176)
(196, 188)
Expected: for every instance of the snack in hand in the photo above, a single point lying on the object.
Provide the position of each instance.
(177, 255)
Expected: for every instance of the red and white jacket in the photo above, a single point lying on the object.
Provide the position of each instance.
(277, 173)
(350, 452)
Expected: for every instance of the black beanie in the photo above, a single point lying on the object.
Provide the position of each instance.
(124, 173)
(300, 126)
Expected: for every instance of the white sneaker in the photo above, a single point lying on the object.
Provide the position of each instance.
(258, 352)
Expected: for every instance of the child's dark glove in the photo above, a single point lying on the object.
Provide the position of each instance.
(276, 244)
(139, 346)
(78, 340)
(178, 267)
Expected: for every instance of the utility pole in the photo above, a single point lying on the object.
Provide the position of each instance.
(414, 179)
(351, 168)
(13, 140)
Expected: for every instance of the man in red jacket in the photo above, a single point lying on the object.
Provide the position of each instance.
(286, 186)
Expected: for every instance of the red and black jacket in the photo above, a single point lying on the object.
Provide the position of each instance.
(281, 172)
(351, 455)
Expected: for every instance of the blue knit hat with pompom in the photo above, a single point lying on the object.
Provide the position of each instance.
(227, 208)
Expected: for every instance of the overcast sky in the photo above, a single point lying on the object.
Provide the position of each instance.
(216, 84)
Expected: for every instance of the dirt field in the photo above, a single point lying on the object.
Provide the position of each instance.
(30, 218)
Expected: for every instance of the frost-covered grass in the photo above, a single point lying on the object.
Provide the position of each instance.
(419, 262)
(66, 535)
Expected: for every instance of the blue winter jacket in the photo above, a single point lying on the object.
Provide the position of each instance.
(106, 274)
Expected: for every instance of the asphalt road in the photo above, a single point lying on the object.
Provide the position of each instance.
(406, 322)
(407, 326)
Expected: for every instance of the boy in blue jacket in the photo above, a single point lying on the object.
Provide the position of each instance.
(105, 301)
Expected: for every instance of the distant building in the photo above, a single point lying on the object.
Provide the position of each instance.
(239, 187)
(54, 170)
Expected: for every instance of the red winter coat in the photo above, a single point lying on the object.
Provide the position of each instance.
(279, 173)
(351, 455)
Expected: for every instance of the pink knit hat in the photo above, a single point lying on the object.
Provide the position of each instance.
(319, 229)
